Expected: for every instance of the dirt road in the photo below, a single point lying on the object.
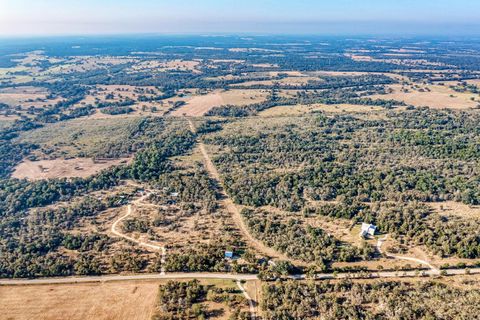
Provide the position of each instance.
(251, 303)
(150, 246)
(420, 261)
(228, 204)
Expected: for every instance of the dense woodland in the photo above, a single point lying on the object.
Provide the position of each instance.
(413, 223)
(29, 245)
(420, 155)
(349, 300)
(383, 169)
(33, 237)
(188, 300)
(300, 241)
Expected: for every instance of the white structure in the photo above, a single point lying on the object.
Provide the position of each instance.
(368, 230)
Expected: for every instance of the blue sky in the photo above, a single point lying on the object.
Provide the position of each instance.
(40, 17)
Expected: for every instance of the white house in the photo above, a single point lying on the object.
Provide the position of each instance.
(368, 230)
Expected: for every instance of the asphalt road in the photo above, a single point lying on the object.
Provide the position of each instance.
(228, 276)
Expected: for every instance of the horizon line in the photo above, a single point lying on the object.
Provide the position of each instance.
(231, 34)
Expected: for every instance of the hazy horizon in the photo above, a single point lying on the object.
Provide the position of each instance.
(344, 17)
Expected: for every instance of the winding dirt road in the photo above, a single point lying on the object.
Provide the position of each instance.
(150, 246)
(380, 242)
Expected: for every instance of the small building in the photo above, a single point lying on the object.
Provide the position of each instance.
(229, 254)
(272, 263)
(367, 230)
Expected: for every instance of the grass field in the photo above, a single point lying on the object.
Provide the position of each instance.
(437, 97)
(5, 122)
(303, 109)
(128, 300)
(96, 301)
(62, 168)
(80, 137)
(199, 105)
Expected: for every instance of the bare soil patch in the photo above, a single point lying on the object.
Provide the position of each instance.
(62, 168)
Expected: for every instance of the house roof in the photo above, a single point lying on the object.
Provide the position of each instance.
(368, 228)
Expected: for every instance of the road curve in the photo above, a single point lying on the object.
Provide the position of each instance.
(150, 246)
(420, 261)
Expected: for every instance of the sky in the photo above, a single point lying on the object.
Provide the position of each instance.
(82, 17)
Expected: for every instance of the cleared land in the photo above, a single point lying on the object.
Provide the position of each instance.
(96, 301)
(80, 137)
(199, 105)
(302, 109)
(452, 208)
(433, 96)
(63, 168)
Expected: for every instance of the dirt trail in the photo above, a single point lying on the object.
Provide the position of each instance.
(150, 246)
(232, 208)
(420, 261)
(251, 303)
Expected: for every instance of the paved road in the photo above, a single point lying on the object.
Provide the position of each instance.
(110, 278)
(227, 276)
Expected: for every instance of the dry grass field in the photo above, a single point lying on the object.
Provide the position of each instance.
(96, 301)
(456, 209)
(63, 168)
(24, 96)
(303, 109)
(86, 63)
(437, 97)
(127, 300)
(244, 97)
(79, 137)
(199, 105)
(6, 122)
(292, 81)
